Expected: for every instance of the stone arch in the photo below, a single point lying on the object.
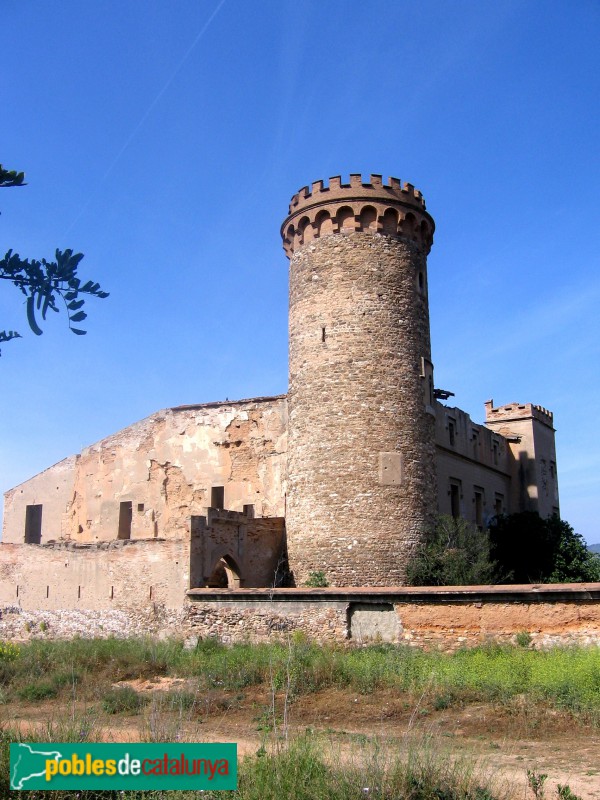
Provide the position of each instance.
(345, 219)
(390, 222)
(225, 574)
(368, 219)
(323, 223)
(305, 230)
(408, 225)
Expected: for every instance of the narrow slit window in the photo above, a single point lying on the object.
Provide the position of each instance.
(323, 334)
(479, 508)
(455, 500)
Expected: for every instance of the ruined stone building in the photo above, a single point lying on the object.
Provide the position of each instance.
(342, 475)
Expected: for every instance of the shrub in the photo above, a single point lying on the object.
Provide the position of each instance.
(9, 651)
(317, 580)
(523, 639)
(123, 700)
(34, 692)
(530, 549)
(455, 553)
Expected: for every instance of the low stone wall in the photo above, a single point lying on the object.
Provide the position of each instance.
(20, 625)
(260, 619)
(445, 618)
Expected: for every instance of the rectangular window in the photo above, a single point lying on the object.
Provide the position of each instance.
(478, 499)
(495, 451)
(455, 499)
(249, 510)
(498, 504)
(33, 524)
(217, 497)
(125, 515)
(452, 432)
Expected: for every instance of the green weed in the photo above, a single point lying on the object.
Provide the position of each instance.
(123, 700)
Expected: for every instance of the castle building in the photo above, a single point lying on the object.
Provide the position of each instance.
(343, 475)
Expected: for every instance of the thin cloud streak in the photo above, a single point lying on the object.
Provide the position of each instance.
(145, 115)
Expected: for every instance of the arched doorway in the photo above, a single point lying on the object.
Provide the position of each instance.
(225, 575)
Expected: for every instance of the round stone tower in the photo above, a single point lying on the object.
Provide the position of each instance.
(361, 472)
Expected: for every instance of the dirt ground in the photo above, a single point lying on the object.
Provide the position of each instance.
(505, 741)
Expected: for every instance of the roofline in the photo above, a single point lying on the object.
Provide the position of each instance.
(217, 403)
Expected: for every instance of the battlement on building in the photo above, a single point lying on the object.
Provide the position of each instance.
(391, 208)
(515, 411)
(320, 191)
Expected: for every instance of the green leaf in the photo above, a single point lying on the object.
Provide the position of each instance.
(31, 316)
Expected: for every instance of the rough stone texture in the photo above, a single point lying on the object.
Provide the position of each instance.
(441, 618)
(261, 621)
(360, 367)
(19, 625)
(445, 618)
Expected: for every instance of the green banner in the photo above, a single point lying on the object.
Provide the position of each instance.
(59, 765)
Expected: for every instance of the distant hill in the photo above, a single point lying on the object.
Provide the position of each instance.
(594, 548)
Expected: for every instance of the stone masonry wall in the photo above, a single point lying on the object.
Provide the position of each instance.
(361, 456)
(441, 618)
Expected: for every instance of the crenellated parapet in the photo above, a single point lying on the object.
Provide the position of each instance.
(391, 209)
(517, 411)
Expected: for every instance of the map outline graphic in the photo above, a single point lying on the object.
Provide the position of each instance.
(13, 785)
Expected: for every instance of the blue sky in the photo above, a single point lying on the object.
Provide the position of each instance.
(164, 139)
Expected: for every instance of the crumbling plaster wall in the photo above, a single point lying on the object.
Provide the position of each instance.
(53, 489)
(165, 466)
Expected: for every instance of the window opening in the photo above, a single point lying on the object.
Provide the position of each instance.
(479, 508)
(125, 516)
(452, 432)
(455, 500)
(495, 453)
(33, 524)
(498, 504)
(217, 497)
